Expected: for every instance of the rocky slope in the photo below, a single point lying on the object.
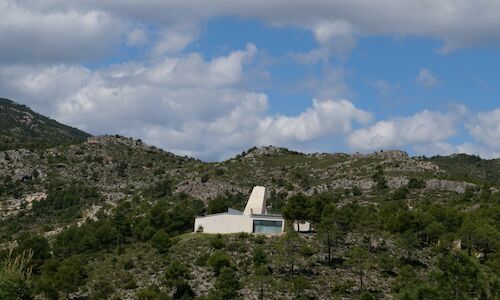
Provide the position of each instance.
(56, 179)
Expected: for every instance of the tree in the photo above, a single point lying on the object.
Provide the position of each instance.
(299, 285)
(317, 204)
(433, 231)
(288, 248)
(400, 193)
(222, 202)
(409, 242)
(478, 232)
(358, 259)
(415, 183)
(161, 241)
(218, 261)
(328, 230)
(259, 257)
(379, 179)
(487, 237)
(485, 194)
(467, 231)
(386, 263)
(226, 285)
(367, 223)
(40, 248)
(262, 279)
(70, 275)
(468, 194)
(177, 276)
(461, 277)
(296, 209)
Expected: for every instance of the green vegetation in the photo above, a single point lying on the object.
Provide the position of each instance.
(20, 127)
(112, 219)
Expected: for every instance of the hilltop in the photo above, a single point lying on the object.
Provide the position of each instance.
(20, 127)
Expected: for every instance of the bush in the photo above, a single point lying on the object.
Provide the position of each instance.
(400, 193)
(259, 257)
(367, 296)
(204, 178)
(217, 242)
(150, 293)
(161, 241)
(226, 285)
(177, 276)
(217, 261)
(201, 261)
(128, 264)
(128, 281)
(415, 183)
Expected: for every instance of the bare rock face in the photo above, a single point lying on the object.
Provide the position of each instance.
(13, 206)
(207, 190)
(116, 139)
(16, 164)
(392, 154)
(263, 151)
(397, 182)
(447, 185)
(364, 184)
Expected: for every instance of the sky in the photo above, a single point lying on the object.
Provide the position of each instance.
(210, 79)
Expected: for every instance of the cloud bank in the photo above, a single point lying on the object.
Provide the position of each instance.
(52, 54)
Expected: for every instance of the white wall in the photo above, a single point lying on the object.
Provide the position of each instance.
(224, 223)
(227, 223)
(304, 226)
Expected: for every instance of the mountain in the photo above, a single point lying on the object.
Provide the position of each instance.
(20, 127)
(110, 217)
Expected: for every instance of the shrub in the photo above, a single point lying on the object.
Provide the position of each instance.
(259, 257)
(226, 285)
(217, 242)
(161, 241)
(217, 261)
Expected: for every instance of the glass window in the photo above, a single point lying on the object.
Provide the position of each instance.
(267, 226)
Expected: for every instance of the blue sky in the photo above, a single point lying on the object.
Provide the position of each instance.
(213, 80)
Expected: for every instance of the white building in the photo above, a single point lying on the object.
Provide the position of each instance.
(254, 219)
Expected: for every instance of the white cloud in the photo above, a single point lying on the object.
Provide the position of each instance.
(29, 35)
(174, 40)
(324, 118)
(426, 79)
(56, 30)
(485, 128)
(137, 37)
(422, 128)
(384, 88)
(445, 148)
(192, 70)
(191, 105)
(184, 104)
(458, 23)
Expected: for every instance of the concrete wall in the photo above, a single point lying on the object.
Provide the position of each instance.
(256, 204)
(224, 223)
(227, 223)
(304, 226)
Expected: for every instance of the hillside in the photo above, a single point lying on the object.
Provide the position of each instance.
(20, 127)
(110, 218)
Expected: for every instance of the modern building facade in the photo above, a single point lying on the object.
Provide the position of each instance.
(254, 219)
